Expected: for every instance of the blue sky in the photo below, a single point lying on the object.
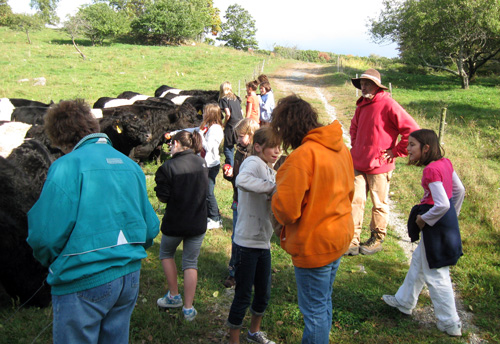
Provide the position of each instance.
(336, 26)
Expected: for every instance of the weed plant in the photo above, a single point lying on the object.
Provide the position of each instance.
(359, 315)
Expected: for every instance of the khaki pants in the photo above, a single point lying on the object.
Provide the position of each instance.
(378, 187)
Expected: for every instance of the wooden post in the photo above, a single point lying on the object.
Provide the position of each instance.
(390, 89)
(356, 87)
(338, 64)
(239, 88)
(262, 70)
(442, 124)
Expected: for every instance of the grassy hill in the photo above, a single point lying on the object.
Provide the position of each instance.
(472, 142)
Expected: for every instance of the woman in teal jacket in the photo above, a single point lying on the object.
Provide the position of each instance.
(91, 226)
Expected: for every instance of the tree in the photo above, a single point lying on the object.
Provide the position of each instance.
(239, 29)
(173, 21)
(74, 27)
(133, 8)
(26, 23)
(5, 12)
(457, 36)
(99, 21)
(47, 10)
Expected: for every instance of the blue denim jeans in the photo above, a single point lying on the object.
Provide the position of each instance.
(229, 154)
(253, 269)
(96, 315)
(314, 290)
(232, 260)
(212, 207)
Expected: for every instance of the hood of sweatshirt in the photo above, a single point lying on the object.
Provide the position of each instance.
(329, 136)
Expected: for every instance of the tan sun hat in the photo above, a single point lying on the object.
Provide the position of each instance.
(370, 74)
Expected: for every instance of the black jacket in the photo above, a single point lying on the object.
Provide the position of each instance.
(443, 245)
(182, 183)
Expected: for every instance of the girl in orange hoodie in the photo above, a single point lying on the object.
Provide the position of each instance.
(315, 186)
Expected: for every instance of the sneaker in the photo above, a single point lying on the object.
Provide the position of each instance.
(189, 314)
(168, 301)
(352, 251)
(229, 282)
(391, 301)
(373, 245)
(212, 224)
(259, 337)
(454, 330)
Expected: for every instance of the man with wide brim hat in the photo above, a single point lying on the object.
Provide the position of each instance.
(370, 74)
(377, 123)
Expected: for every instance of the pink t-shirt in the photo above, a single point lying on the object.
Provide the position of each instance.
(437, 171)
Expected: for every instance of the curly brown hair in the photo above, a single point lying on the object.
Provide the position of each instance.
(292, 119)
(67, 122)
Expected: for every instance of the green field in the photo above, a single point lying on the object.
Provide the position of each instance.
(472, 142)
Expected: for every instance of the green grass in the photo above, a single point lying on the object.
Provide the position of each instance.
(360, 316)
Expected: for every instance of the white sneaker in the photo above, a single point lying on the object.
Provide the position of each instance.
(391, 301)
(211, 224)
(454, 330)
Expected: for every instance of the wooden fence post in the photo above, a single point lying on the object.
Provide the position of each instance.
(356, 87)
(442, 124)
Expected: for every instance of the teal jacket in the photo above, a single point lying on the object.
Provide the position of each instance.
(93, 221)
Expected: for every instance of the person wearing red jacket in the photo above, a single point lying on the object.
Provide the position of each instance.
(377, 123)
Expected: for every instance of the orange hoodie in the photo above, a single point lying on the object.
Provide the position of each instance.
(315, 186)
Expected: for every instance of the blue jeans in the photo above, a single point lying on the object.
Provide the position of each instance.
(229, 154)
(212, 207)
(314, 290)
(253, 269)
(232, 260)
(96, 315)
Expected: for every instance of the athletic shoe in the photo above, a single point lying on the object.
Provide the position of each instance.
(189, 314)
(212, 224)
(168, 301)
(259, 337)
(391, 301)
(454, 330)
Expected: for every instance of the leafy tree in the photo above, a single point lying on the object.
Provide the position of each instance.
(5, 12)
(239, 29)
(133, 8)
(173, 21)
(26, 23)
(457, 36)
(47, 10)
(99, 21)
(215, 22)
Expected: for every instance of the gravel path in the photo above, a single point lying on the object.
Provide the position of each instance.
(300, 79)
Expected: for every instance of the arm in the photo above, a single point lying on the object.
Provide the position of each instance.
(163, 180)
(249, 179)
(441, 204)
(50, 223)
(228, 115)
(405, 125)
(292, 185)
(249, 109)
(458, 193)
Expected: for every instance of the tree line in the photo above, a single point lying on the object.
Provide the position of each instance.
(457, 36)
(143, 21)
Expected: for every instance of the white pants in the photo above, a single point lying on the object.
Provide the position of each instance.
(439, 284)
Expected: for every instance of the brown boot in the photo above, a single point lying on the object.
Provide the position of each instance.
(352, 251)
(373, 245)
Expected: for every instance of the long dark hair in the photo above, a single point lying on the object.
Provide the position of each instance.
(292, 119)
(189, 140)
(435, 152)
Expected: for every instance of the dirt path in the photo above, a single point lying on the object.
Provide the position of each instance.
(302, 79)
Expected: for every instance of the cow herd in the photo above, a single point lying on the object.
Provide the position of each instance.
(136, 125)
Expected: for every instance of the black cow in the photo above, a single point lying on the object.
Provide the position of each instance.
(29, 114)
(138, 130)
(22, 175)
